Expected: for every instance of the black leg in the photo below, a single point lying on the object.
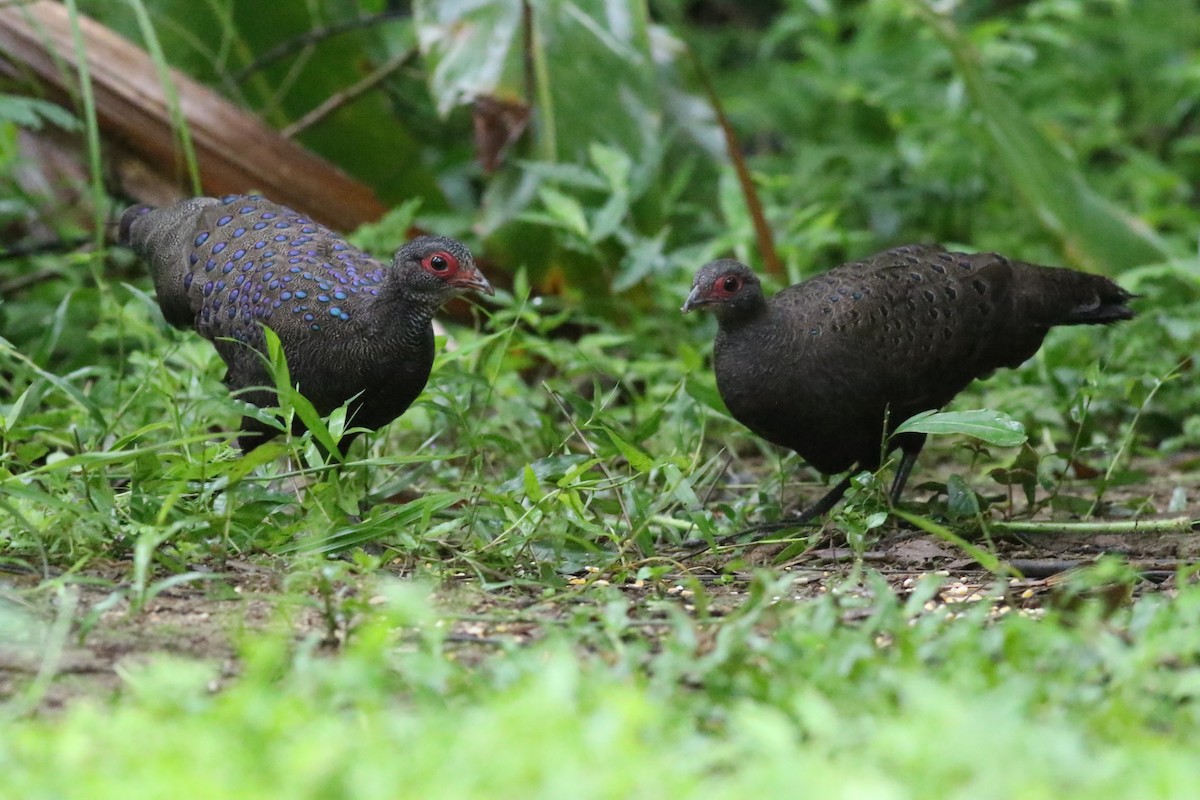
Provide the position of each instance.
(254, 433)
(907, 460)
(817, 509)
(827, 501)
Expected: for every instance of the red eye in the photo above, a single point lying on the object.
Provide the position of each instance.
(730, 284)
(440, 262)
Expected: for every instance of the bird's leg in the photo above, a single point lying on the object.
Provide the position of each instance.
(831, 498)
(907, 460)
(817, 509)
(827, 501)
(254, 433)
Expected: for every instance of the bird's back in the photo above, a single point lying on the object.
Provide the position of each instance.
(224, 266)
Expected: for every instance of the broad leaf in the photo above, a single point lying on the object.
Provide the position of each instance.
(993, 427)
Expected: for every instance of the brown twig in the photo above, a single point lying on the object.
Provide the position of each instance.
(527, 65)
(1153, 569)
(21, 282)
(234, 148)
(348, 95)
(316, 35)
(762, 231)
(1184, 524)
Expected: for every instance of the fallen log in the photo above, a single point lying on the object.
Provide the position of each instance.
(235, 150)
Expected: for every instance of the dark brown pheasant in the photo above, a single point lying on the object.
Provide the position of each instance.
(825, 366)
(350, 326)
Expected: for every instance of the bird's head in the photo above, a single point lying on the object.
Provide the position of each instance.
(728, 287)
(439, 267)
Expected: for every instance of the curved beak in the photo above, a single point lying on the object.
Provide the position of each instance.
(474, 281)
(694, 299)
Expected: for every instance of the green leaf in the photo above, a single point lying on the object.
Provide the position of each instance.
(29, 112)
(1023, 472)
(572, 175)
(608, 219)
(289, 398)
(636, 456)
(550, 468)
(471, 49)
(564, 210)
(993, 427)
(98, 458)
(594, 75)
(961, 502)
(613, 164)
(383, 237)
(532, 489)
(63, 383)
(416, 513)
(704, 390)
(571, 476)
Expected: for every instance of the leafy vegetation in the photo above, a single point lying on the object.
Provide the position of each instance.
(498, 594)
(777, 697)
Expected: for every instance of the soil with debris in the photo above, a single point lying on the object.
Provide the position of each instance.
(63, 641)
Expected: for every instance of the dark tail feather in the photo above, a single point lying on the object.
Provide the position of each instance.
(1058, 296)
(1106, 306)
(127, 219)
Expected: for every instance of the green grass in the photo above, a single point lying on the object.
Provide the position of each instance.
(492, 598)
(778, 697)
(532, 464)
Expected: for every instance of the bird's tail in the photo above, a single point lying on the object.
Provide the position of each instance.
(1060, 296)
(163, 238)
(125, 226)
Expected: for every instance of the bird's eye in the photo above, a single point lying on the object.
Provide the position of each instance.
(440, 262)
(730, 284)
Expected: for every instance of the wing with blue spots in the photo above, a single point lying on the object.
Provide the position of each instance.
(253, 262)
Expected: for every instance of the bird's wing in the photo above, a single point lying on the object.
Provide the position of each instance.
(920, 322)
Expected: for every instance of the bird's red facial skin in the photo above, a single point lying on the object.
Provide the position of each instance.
(725, 287)
(441, 264)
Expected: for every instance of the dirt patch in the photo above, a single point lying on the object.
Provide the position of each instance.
(63, 640)
(106, 631)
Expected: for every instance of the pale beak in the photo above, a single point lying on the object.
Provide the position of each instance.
(475, 282)
(693, 300)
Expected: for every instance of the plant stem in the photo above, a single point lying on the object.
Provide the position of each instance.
(1171, 525)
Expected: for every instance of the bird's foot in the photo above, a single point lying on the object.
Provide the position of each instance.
(696, 544)
(808, 516)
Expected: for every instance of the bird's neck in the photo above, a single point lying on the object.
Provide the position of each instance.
(403, 315)
(736, 316)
